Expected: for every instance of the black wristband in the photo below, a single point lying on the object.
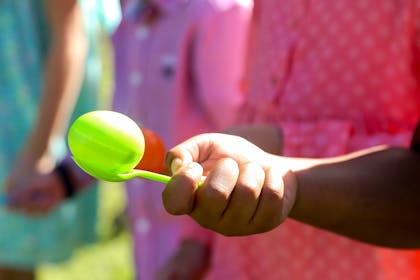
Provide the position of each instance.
(63, 173)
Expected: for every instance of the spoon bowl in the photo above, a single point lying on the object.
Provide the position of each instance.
(109, 145)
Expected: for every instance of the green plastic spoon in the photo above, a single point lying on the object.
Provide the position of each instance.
(108, 145)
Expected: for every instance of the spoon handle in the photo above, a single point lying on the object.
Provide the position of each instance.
(151, 176)
(146, 175)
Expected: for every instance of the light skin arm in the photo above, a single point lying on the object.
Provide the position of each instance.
(63, 76)
(372, 196)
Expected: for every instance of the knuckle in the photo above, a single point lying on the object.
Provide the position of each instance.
(272, 195)
(247, 191)
(215, 192)
(175, 209)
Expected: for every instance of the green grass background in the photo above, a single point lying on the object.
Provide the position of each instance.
(108, 259)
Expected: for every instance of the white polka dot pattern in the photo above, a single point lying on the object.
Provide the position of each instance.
(337, 76)
(347, 60)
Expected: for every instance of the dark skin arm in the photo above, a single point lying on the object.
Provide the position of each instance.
(372, 195)
(374, 198)
(377, 202)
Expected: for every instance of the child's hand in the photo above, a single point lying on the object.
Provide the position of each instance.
(244, 192)
(38, 195)
(267, 137)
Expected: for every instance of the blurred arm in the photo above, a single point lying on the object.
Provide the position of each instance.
(64, 71)
(63, 76)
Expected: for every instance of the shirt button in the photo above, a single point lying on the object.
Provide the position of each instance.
(142, 32)
(142, 225)
(135, 78)
(168, 65)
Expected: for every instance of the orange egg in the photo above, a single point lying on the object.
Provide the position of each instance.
(154, 152)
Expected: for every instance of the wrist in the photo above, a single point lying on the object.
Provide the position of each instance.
(289, 169)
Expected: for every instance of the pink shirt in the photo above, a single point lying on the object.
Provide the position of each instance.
(337, 76)
(175, 77)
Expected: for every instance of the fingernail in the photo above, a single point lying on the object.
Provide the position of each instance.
(194, 169)
(176, 164)
(195, 165)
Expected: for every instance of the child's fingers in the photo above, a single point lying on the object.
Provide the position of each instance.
(177, 158)
(182, 155)
(244, 198)
(179, 194)
(189, 151)
(214, 195)
(269, 213)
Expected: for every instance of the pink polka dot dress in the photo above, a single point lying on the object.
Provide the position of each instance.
(337, 76)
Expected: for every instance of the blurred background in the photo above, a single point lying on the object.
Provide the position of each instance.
(108, 259)
(111, 257)
(58, 63)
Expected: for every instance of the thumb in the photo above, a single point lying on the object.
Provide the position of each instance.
(194, 149)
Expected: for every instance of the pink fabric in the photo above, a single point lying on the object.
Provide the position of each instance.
(175, 77)
(337, 76)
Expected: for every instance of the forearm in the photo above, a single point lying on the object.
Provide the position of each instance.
(63, 76)
(374, 197)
